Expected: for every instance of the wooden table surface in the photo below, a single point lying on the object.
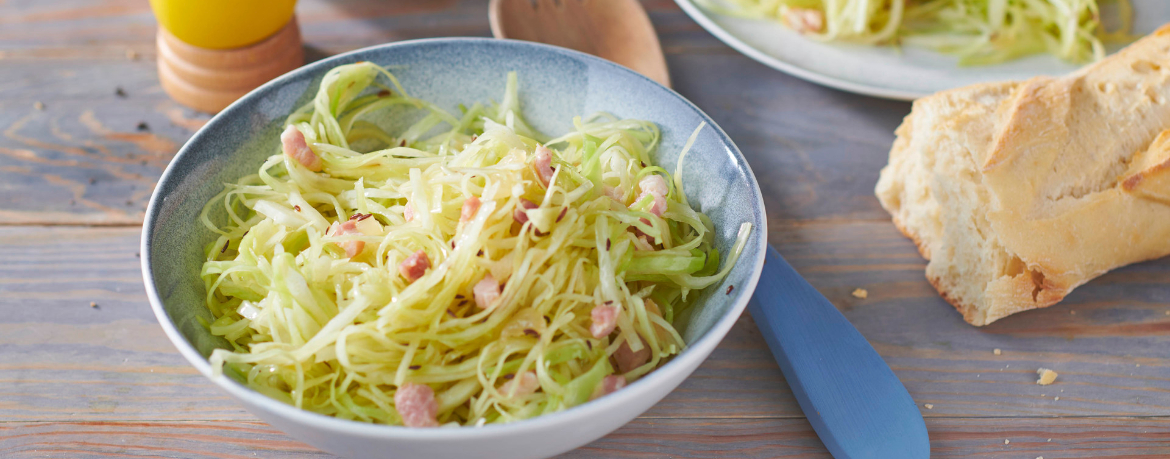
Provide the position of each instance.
(84, 382)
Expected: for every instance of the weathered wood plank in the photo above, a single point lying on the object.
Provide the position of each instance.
(1098, 438)
(84, 160)
(62, 360)
(791, 131)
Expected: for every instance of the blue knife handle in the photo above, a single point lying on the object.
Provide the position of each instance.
(856, 404)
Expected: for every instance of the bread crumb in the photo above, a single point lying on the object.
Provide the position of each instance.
(39, 105)
(1056, 399)
(1046, 376)
(92, 304)
(1006, 441)
(861, 293)
(1073, 312)
(997, 352)
(1039, 457)
(929, 406)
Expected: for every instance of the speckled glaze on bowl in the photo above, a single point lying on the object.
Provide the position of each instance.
(555, 85)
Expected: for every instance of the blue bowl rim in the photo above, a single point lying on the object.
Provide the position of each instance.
(590, 410)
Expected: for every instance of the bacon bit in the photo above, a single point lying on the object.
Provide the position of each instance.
(470, 207)
(452, 244)
(416, 405)
(414, 266)
(628, 360)
(297, 208)
(803, 20)
(225, 246)
(608, 243)
(532, 333)
(408, 213)
(450, 313)
(352, 248)
(474, 136)
(654, 185)
(543, 165)
(414, 367)
(608, 302)
(562, 214)
(384, 93)
(526, 384)
(521, 212)
(604, 320)
(486, 291)
(292, 143)
(609, 385)
(730, 288)
(480, 253)
(459, 296)
(509, 376)
(589, 344)
(402, 143)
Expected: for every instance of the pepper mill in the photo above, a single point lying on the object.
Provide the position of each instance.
(211, 52)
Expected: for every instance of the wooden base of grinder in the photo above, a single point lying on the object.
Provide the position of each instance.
(211, 79)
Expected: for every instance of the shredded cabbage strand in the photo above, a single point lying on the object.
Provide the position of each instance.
(979, 32)
(336, 335)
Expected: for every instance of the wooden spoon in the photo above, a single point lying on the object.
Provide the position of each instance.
(617, 30)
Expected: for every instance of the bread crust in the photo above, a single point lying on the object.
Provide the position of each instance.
(1017, 193)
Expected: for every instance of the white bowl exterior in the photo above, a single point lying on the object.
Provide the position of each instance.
(729, 190)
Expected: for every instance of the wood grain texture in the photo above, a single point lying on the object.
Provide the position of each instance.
(1096, 438)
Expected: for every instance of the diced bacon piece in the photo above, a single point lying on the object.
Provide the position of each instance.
(416, 405)
(654, 185)
(628, 360)
(408, 213)
(521, 214)
(414, 266)
(609, 385)
(523, 384)
(470, 207)
(292, 142)
(347, 228)
(803, 20)
(543, 165)
(487, 291)
(604, 320)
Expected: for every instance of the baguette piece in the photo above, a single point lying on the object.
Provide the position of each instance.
(1018, 193)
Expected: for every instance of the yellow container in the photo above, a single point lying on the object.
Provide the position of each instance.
(222, 24)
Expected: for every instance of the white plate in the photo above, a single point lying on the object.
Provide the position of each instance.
(904, 74)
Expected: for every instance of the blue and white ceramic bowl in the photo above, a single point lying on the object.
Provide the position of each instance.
(555, 85)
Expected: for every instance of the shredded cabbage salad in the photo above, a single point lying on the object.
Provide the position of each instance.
(438, 273)
(979, 32)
